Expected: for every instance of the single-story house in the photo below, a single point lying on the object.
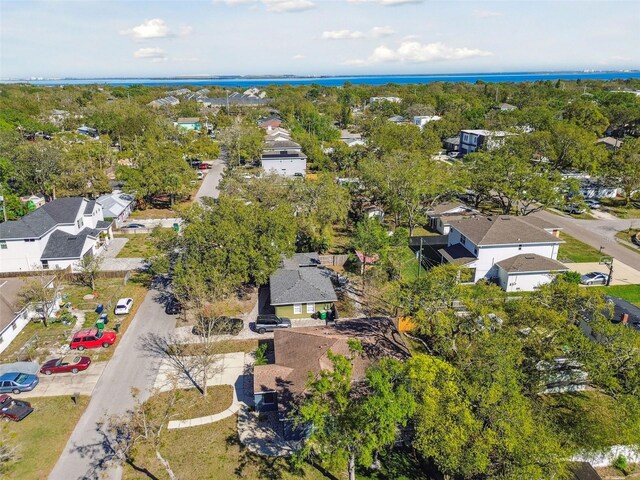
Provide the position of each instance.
(505, 107)
(301, 353)
(14, 316)
(351, 139)
(398, 119)
(528, 271)
(169, 101)
(299, 289)
(451, 144)
(270, 122)
(441, 216)
(89, 132)
(190, 123)
(610, 142)
(117, 206)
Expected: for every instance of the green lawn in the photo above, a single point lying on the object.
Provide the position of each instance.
(410, 266)
(213, 452)
(42, 436)
(619, 209)
(627, 235)
(631, 293)
(576, 251)
(138, 246)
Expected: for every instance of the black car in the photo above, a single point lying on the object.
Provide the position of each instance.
(270, 322)
(218, 326)
(135, 225)
(173, 307)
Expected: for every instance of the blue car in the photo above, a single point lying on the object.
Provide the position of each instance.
(15, 382)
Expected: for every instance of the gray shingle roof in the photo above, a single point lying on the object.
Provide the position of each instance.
(457, 254)
(115, 203)
(88, 210)
(531, 262)
(301, 260)
(301, 285)
(281, 144)
(36, 224)
(65, 245)
(502, 230)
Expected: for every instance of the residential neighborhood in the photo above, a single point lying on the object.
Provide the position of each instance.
(321, 282)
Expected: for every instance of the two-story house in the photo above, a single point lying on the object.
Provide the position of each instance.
(474, 140)
(517, 253)
(57, 235)
(283, 156)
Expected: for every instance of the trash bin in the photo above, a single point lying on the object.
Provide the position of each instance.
(104, 318)
(176, 227)
(116, 327)
(99, 308)
(100, 324)
(323, 315)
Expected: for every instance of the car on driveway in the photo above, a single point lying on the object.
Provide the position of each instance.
(16, 382)
(123, 306)
(69, 363)
(204, 166)
(173, 307)
(135, 225)
(574, 209)
(271, 322)
(594, 278)
(593, 204)
(92, 338)
(14, 410)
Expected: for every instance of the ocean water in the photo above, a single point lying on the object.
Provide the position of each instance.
(340, 80)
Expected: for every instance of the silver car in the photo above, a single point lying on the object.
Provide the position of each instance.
(594, 278)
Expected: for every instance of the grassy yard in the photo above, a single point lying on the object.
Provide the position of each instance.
(576, 251)
(192, 404)
(137, 246)
(627, 235)
(631, 293)
(619, 209)
(213, 452)
(42, 436)
(410, 266)
(152, 214)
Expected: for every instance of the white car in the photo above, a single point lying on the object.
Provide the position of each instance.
(123, 306)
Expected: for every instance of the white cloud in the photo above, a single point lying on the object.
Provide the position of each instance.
(416, 52)
(299, 56)
(281, 6)
(375, 32)
(154, 28)
(151, 53)
(487, 14)
(342, 34)
(387, 3)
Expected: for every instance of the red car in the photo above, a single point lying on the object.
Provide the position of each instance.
(204, 166)
(70, 363)
(15, 410)
(92, 338)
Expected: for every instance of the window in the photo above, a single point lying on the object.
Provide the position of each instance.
(45, 264)
(520, 247)
(269, 398)
(463, 239)
(465, 137)
(297, 308)
(311, 307)
(29, 239)
(3, 245)
(80, 223)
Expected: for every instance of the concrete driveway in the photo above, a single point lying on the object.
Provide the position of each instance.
(67, 384)
(87, 454)
(209, 186)
(622, 274)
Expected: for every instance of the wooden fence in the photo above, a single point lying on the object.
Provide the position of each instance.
(333, 260)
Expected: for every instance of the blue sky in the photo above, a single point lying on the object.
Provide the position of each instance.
(91, 38)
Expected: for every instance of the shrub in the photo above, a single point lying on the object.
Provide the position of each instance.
(261, 354)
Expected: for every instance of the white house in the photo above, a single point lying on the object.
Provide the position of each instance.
(57, 235)
(441, 216)
(117, 205)
(385, 99)
(287, 164)
(474, 140)
(13, 315)
(422, 120)
(484, 244)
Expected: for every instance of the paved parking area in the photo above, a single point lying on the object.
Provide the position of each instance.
(66, 384)
(622, 274)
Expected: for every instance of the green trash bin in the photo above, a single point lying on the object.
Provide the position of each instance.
(176, 227)
(116, 327)
(323, 314)
(100, 324)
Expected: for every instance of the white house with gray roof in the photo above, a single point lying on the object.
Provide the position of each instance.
(117, 205)
(299, 289)
(516, 252)
(57, 235)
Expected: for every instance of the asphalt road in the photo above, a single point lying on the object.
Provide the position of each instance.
(87, 455)
(209, 186)
(597, 233)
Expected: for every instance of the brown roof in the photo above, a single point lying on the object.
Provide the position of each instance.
(583, 471)
(189, 120)
(457, 254)
(502, 230)
(540, 223)
(531, 262)
(10, 289)
(301, 353)
(445, 207)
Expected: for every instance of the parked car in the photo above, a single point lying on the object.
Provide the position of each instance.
(14, 410)
(270, 322)
(573, 209)
(200, 175)
(204, 166)
(69, 363)
(173, 307)
(594, 278)
(218, 326)
(17, 382)
(134, 225)
(92, 338)
(593, 204)
(123, 306)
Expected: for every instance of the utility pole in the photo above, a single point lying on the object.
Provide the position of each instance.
(610, 272)
(4, 205)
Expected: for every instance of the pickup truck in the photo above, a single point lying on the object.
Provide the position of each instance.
(14, 410)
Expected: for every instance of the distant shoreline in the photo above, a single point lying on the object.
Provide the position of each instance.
(333, 80)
